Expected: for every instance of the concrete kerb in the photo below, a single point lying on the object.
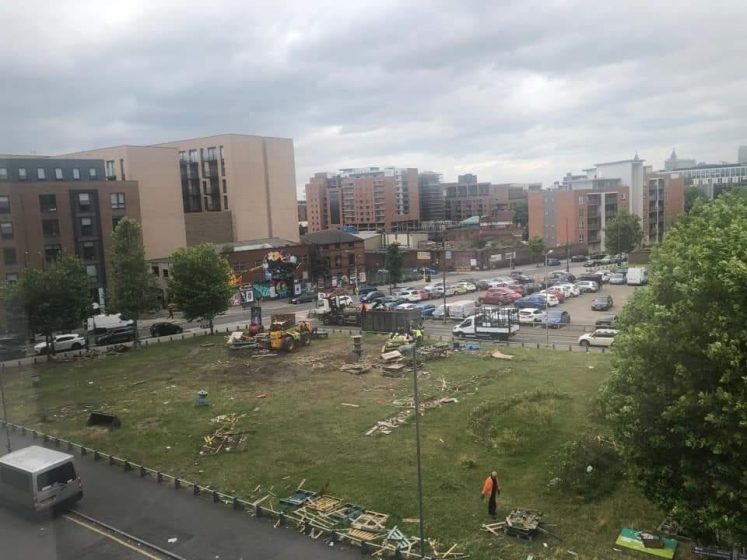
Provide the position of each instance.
(236, 503)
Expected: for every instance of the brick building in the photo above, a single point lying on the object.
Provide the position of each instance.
(51, 205)
(371, 198)
(663, 201)
(491, 202)
(341, 255)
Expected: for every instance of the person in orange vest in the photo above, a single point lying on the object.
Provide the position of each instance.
(491, 489)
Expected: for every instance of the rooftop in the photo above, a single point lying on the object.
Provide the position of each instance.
(327, 236)
(253, 244)
(34, 458)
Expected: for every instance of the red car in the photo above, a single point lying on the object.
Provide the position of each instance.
(499, 296)
(558, 293)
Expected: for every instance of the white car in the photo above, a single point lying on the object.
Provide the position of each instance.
(62, 342)
(600, 337)
(531, 316)
(411, 296)
(438, 292)
(467, 286)
(587, 286)
(570, 290)
(407, 305)
(551, 299)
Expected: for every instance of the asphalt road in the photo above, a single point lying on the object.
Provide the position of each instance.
(154, 513)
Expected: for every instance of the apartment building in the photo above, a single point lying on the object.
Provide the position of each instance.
(216, 189)
(568, 217)
(48, 205)
(713, 179)
(371, 198)
(468, 198)
(664, 200)
(342, 255)
(303, 215)
(432, 202)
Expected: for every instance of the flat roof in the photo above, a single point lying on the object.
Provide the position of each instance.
(34, 458)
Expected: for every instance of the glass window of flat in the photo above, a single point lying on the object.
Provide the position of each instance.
(193, 156)
(58, 173)
(88, 250)
(4, 173)
(51, 252)
(9, 256)
(21, 173)
(84, 202)
(76, 173)
(91, 271)
(154, 269)
(110, 174)
(41, 173)
(6, 230)
(51, 228)
(91, 172)
(86, 227)
(4, 204)
(48, 203)
(118, 201)
(165, 272)
(182, 156)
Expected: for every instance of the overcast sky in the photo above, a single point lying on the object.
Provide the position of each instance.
(511, 91)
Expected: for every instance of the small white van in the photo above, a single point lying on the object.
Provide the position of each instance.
(101, 324)
(38, 478)
(457, 309)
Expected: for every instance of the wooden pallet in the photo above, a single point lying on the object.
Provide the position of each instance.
(323, 504)
(370, 521)
(362, 535)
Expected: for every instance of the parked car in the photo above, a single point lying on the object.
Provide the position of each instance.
(605, 321)
(551, 299)
(571, 290)
(557, 292)
(410, 295)
(468, 287)
(531, 316)
(557, 318)
(520, 277)
(587, 286)
(116, 336)
(532, 287)
(481, 284)
(437, 293)
(552, 261)
(164, 329)
(578, 258)
(426, 309)
(424, 295)
(389, 302)
(370, 297)
(62, 343)
(562, 275)
(498, 296)
(305, 297)
(600, 337)
(602, 303)
(456, 310)
(363, 290)
(617, 278)
(12, 347)
(534, 300)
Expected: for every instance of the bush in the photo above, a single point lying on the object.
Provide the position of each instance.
(589, 468)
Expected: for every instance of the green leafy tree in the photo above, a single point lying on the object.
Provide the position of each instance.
(393, 263)
(536, 247)
(677, 394)
(56, 299)
(132, 286)
(521, 214)
(623, 233)
(201, 282)
(693, 195)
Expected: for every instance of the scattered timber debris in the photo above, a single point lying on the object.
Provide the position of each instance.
(225, 437)
(357, 368)
(501, 356)
(386, 426)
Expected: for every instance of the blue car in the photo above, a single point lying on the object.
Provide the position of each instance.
(553, 262)
(557, 318)
(531, 301)
(426, 309)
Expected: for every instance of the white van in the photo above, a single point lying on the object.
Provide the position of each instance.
(100, 324)
(457, 309)
(637, 276)
(39, 478)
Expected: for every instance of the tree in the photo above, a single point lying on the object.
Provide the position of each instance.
(55, 299)
(200, 282)
(623, 233)
(521, 214)
(132, 285)
(693, 195)
(677, 394)
(393, 263)
(536, 247)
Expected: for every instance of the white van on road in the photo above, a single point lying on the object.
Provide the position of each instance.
(38, 478)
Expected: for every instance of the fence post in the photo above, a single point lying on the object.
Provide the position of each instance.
(127, 466)
(216, 498)
(176, 482)
(83, 450)
(195, 489)
(142, 471)
(159, 477)
(95, 455)
(235, 502)
(111, 460)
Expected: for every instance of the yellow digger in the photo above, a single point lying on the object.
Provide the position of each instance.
(285, 338)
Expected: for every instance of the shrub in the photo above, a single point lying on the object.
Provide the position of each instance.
(589, 468)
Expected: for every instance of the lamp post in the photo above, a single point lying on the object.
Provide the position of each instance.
(5, 410)
(416, 399)
(443, 267)
(547, 303)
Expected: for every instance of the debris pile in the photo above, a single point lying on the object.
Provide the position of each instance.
(225, 437)
(386, 426)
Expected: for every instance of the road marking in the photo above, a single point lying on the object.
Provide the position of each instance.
(112, 537)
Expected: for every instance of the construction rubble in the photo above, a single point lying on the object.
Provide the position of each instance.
(402, 417)
(226, 437)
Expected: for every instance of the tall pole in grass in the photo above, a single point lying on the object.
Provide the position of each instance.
(417, 446)
(5, 410)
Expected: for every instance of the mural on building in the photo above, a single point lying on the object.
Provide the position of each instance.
(278, 268)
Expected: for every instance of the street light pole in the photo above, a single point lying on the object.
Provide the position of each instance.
(443, 266)
(417, 446)
(547, 303)
(5, 410)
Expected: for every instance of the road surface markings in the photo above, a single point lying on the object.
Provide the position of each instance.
(111, 537)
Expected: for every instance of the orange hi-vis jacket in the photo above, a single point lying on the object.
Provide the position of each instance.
(487, 488)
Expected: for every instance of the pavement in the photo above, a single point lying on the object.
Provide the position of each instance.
(155, 513)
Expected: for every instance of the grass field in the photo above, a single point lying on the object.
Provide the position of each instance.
(511, 416)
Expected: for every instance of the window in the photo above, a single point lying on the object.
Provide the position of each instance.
(193, 156)
(351, 260)
(48, 203)
(91, 172)
(225, 202)
(338, 261)
(9, 256)
(15, 478)
(165, 272)
(21, 173)
(4, 173)
(41, 173)
(121, 169)
(51, 252)
(86, 227)
(224, 186)
(64, 474)
(110, 174)
(11, 277)
(51, 228)
(182, 156)
(154, 269)
(6, 230)
(118, 201)
(115, 221)
(84, 202)
(91, 271)
(88, 250)
(58, 173)
(76, 173)
(4, 204)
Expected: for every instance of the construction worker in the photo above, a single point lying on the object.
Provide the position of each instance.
(418, 336)
(491, 488)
